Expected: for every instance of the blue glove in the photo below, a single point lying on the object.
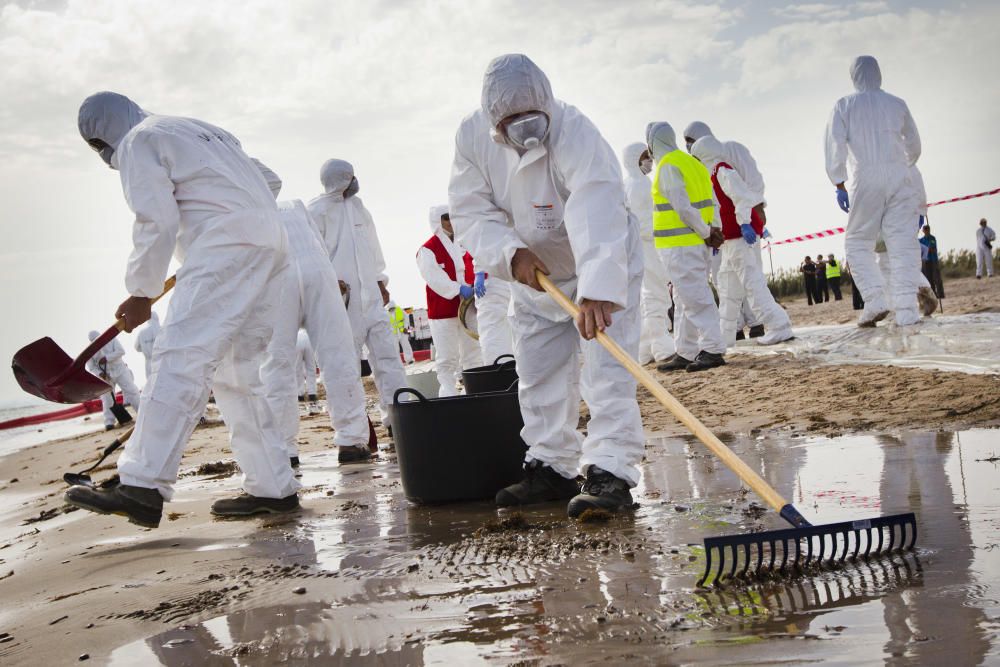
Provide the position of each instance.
(749, 235)
(465, 291)
(480, 284)
(843, 201)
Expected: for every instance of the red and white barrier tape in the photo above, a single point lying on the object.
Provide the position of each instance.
(841, 230)
(979, 194)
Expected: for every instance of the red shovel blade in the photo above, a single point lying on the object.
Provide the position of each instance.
(41, 370)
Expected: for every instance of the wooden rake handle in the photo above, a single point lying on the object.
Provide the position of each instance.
(700, 431)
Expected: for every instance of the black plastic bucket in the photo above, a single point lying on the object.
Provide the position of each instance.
(457, 448)
(497, 377)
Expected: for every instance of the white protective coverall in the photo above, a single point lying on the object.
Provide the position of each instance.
(876, 133)
(741, 276)
(198, 197)
(305, 364)
(696, 317)
(348, 231)
(145, 340)
(493, 320)
(739, 157)
(564, 200)
(984, 253)
(402, 337)
(655, 342)
(109, 365)
(454, 349)
(916, 181)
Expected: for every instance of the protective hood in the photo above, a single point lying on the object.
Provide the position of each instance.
(93, 335)
(391, 305)
(709, 150)
(630, 159)
(336, 177)
(661, 139)
(697, 130)
(514, 84)
(865, 74)
(435, 217)
(108, 117)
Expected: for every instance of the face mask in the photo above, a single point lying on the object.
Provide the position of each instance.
(689, 144)
(529, 130)
(103, 149)
(353, 188)
(646, 165)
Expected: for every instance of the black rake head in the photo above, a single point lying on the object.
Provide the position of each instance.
(791, 552)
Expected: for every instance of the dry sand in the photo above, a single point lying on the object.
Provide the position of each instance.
(74, 583)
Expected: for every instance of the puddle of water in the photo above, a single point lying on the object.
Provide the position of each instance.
(414, 588)
(963, 343)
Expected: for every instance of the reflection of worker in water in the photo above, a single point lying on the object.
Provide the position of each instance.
(914, 478)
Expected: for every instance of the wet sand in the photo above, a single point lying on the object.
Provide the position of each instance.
(361, 576)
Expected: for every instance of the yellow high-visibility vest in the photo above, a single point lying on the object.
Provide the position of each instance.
(832, 271)
(398, 320)
(669, 231)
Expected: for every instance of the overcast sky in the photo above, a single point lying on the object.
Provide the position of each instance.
(384, 85)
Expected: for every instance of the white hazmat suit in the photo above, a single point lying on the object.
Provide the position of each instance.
(198, 197)
(985, 236)
(493, 320)
(655, 342)
(454, 349)
(875, 132)
(145, 340)
(696, 316)
(741, 276)
(348, 232)
(312, 301)
(564, 200)
(109, 365)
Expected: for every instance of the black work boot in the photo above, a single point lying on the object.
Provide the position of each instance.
(740, 335)
(247, 505)
(141, 506)
(601, 491)
(674, 363)
(704, 361)
(541, 484)
(293, 461)
(353, 454)
(757, 331)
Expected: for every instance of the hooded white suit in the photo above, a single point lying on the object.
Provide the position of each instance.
(197, 196)
(109, 365)
(352, 243)
(564, 200)
(741, 276)
(655, 343)
(313, 302)
(493, 319)
(145, 340)
(876, 133)
(454, 350)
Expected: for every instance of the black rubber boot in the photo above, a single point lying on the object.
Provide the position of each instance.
(541, 484)
(674, 363)
(740, 335)
(294, 461)
(601, 491)
(247, 505)
(757, 331)
(143, 507)
(704, 361)
(358, 454)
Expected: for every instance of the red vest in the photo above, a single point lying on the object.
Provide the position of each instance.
(438, 307)
(727, 211)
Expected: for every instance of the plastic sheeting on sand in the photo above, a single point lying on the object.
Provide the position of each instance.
(964, 343)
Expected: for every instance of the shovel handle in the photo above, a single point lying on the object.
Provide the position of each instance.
(106, 337)
(700, 431)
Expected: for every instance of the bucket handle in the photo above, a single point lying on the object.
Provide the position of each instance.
(512, 385)
(407, 390)
(496, 362)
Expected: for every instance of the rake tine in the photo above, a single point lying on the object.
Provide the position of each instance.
(913, 533)
(822, 549)
(881, 536)
(892, 539)
(746, 558)
(847, 543)
(760, 559)
(798, 553)
(809, 551)
(736, 561)
(774, 554)
(857, 545)
(784, 556)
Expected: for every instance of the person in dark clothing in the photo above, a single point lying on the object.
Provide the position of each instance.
(822, 290)
(857, 302)
(930, 264)
(833, 276)
(808, 269)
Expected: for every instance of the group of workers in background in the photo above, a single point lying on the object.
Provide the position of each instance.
(820, 278)
(534, 189)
